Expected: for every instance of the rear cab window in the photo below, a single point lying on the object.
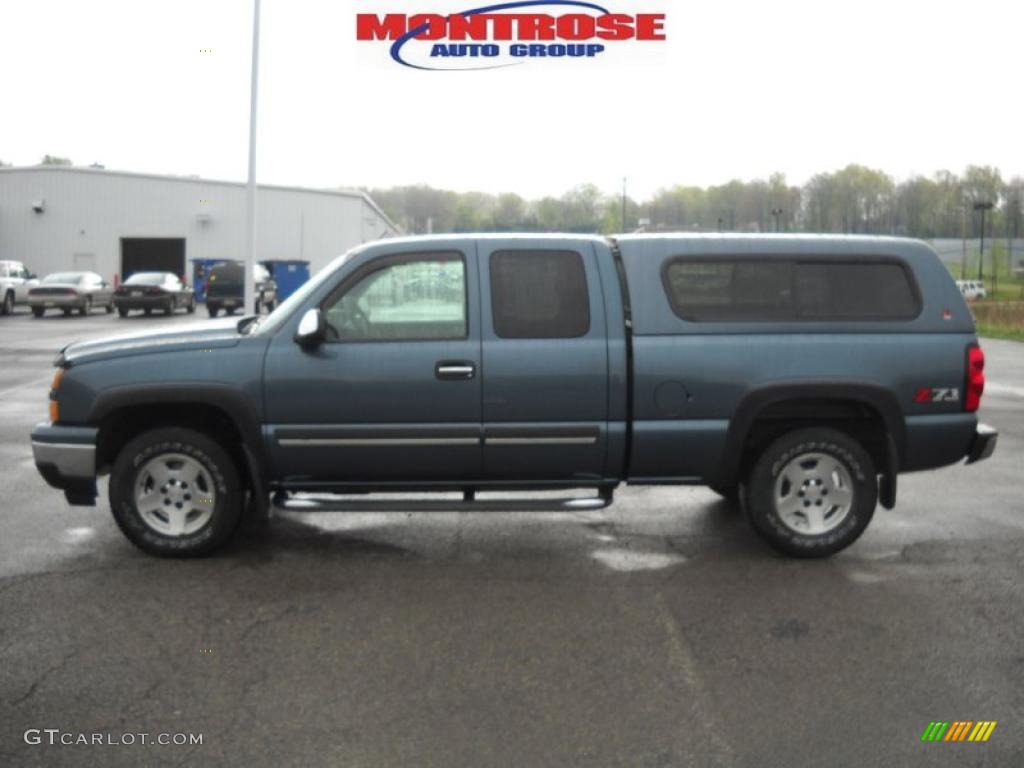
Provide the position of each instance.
(781, 289)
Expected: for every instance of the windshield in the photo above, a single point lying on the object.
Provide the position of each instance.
(146, 278)
(63, 277)
(275, 319)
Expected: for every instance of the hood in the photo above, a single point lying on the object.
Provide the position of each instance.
(207, 335)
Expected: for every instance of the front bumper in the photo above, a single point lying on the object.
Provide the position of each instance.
(983, 444)
(66, 458)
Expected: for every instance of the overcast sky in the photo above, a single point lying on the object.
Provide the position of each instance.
(742, 88)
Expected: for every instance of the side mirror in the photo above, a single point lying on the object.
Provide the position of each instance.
(312, 329)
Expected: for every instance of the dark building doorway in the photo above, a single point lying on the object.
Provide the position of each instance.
(152, 254)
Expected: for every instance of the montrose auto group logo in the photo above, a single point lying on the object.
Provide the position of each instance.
(507, 34)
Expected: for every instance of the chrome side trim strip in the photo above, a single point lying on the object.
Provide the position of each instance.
(590, 440)
(307, 442)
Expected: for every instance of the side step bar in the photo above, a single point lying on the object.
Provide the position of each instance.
(340, 503)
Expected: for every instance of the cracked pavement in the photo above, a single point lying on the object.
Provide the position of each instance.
(659, 632)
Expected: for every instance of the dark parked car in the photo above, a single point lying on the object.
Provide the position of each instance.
(799, 375)
(154, 290)
(224, 289)
(69, 291)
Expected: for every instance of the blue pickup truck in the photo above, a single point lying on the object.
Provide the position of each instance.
(798, 375)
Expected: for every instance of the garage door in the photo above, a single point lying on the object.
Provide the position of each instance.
(152, 254)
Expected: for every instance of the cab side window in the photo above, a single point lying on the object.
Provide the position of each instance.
(539, 295)
(407, 298)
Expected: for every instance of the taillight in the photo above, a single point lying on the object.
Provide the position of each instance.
(975, 378)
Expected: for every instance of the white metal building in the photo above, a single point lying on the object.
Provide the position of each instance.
(56, 218)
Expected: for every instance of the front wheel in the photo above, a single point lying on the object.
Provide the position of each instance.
(812, 492)
(175, 493)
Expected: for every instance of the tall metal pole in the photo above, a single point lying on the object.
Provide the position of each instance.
(623, 205)
(981, 256)
(250, 201)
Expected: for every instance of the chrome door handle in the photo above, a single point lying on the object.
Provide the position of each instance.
(455, 370)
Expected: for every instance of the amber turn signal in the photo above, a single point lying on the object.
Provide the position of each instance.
(54, 409)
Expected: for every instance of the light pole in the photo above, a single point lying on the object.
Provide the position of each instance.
(250, 198)
(623, 205)
(982, 205)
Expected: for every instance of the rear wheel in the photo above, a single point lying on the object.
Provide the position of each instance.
(8, 304)
(175, 493)
(38, 311)
(812, 492)
(191, 308)
(212, 310)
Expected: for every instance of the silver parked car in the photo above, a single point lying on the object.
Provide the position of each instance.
(68, 291)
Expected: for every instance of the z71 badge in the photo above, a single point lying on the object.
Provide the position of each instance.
(937, 395)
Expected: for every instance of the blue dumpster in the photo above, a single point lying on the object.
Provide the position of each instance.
(289, 274)
(200, 269)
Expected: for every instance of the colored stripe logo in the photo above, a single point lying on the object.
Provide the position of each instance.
(958, 730)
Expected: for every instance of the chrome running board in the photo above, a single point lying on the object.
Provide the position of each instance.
(344, 503)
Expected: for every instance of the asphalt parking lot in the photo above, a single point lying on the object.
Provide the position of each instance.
(659, 632)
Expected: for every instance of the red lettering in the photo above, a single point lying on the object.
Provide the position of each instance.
(615, 26)
(370, 27)
(650, 26)
(436, 25)
(575, 26)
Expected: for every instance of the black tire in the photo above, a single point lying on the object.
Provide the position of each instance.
(87, 307)
(227, 511)
(122, 311)
(212, 310)
(169, 307)
(38, 311)
(229, 311)
(760, 492)
(66, 311)
(191, 308)
(7, 307)
(147, 311)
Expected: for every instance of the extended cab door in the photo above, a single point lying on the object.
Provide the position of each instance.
(545, 361)
(393, 394)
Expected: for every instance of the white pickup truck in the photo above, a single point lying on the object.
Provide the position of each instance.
(15, 282)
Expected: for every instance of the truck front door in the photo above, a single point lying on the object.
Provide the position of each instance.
(393, 394)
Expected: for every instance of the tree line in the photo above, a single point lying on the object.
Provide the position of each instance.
(855, 199)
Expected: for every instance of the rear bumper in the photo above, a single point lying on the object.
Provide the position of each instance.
(143, 302)
(66, 458)
(984, 443)
(55, 302)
